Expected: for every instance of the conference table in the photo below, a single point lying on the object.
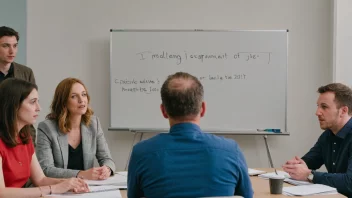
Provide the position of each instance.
(261, 188)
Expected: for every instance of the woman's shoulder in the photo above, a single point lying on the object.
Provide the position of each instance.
(94, 120)
(48, 126)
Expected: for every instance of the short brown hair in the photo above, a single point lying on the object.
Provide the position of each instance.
(184, 101)
(343, 94)
(7, 31)
(59, 111)
(13, 92)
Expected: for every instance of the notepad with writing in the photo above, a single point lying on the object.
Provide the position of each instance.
(306, 190)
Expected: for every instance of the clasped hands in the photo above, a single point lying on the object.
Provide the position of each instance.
(297, 169)
(95, 173)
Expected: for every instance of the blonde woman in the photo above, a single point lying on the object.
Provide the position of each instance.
(71, 137)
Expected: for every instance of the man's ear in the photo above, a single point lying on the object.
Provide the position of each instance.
(344, 110)
(163, 111)
(203, 109)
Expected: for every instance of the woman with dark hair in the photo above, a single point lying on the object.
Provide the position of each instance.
(19, 109)
(71, 137)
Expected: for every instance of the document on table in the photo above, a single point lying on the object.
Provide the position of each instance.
(296, 182)
(273, 174)
(105, 194)
(253, 172)
(117, 180)
(124, 173)
(306, 190)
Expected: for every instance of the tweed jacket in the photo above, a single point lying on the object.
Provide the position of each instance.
(23, 72)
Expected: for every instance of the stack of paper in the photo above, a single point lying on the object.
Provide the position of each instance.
(124, 173)
(96, 191)
(273, 174)
(255, 172)
(116, 180)
(306, 190)
(296, 182)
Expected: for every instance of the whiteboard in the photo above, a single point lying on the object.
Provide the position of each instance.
(244, 74)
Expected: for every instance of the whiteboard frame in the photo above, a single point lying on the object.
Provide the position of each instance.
(219, 132)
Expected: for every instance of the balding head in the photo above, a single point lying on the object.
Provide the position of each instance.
(182, 96)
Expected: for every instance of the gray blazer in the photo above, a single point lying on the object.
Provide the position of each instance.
(52, 148)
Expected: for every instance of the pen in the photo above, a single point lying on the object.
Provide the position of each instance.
(269, 130)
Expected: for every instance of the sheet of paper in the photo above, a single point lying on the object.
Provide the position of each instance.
(124, 173)
(255, 172)
(105, 194)
(273, 174)
(296, 182)
(309, 190)
(117, 180)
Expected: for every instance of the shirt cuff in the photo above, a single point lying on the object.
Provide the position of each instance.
(318, 176)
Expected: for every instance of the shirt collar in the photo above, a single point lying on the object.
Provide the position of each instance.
(184, 127)
(11, 70)
(345, 130)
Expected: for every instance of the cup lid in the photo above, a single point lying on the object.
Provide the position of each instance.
(277, 177)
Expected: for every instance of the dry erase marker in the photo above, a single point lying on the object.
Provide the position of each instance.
(269, 130)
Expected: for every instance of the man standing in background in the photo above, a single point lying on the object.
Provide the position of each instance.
(186, 162)
(8, 68)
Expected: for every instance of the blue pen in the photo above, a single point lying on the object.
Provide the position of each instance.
(269, 130)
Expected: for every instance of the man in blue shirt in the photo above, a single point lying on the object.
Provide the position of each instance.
(334, 146)
(186, 162)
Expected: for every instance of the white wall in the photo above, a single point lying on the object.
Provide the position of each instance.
(13, 14)
(71, 38)
(342, 41)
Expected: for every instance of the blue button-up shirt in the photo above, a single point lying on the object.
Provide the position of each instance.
(187, 163)
(335, 151)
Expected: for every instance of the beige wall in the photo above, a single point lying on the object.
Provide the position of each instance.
(342, 41)
(71, 38)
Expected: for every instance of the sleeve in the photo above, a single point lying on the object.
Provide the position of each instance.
(133, 186)
(45, 155)
(341, 181)
(103, 153)
(314, 157)
(244, 185)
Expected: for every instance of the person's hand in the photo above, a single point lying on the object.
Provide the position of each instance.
(298, 171)
(295, 160)
(76, 185)
(90, 174)
(105, 172)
